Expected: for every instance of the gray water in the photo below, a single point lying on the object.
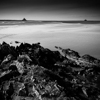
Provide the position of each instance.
(84, 38)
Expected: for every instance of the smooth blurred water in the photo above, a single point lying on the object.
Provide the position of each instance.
(84, 38)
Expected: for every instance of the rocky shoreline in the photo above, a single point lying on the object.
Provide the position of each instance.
(32, 72)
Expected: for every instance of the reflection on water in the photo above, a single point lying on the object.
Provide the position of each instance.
(84, 38)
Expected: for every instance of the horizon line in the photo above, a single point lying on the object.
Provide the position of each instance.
(44, 20)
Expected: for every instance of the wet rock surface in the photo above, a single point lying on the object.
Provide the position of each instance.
(32, 72)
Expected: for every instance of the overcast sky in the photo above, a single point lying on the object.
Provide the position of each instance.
(50, 9)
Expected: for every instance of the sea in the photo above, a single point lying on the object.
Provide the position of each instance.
(83, 37)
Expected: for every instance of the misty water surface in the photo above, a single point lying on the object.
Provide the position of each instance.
(84, 38)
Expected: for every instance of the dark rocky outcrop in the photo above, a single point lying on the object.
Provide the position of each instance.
(89, 58)
(85, 20)
(24, 19)
(70, 53)
(32, 72)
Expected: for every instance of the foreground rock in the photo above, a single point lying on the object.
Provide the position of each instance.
(31, 72)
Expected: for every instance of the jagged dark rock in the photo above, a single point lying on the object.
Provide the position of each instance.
(71, 53)
(32, 72)
(90, 59)
(68, 52)
(17, 42)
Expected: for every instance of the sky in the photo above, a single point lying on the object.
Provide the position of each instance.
(50, 9)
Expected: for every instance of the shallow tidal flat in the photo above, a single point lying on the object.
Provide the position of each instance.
(84, 38)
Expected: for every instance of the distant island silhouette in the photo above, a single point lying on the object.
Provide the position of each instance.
(24, 19)
(85, 20)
